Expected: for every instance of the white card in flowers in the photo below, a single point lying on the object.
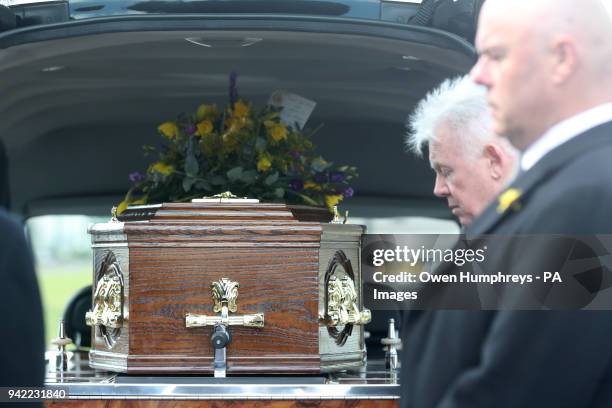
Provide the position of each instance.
(295, 109)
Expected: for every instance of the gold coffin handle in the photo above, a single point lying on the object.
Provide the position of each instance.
(342, 306)
(252, 320)
(108, 304)
(355, 317)
(225, 300)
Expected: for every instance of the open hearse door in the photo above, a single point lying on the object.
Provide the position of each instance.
(83, 93)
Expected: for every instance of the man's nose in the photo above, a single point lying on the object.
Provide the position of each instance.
(480, 73)
(440, 188)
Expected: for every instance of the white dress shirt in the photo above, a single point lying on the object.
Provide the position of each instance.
(564, 131)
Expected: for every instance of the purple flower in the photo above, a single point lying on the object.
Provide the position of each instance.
(136, 177)
(295, 155)
(348, 192)
(191, 130)
(337, 176)
(296, 185)
(233, 92)
(320, 178)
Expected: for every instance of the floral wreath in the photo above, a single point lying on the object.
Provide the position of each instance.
(250, 153)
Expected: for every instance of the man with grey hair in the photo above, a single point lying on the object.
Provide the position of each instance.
(546, 67)
(471, 163)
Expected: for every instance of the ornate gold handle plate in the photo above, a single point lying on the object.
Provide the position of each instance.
(108, 304)
(341, 312)
(342, 305)
(225, 295)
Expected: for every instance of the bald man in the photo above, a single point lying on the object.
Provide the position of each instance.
(554, 66)
(546, 66)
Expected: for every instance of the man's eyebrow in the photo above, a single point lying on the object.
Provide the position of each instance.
(492, 49)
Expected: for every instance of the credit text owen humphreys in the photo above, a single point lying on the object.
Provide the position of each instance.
(416, 258)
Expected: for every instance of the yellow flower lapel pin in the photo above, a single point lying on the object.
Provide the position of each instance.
(509, 199)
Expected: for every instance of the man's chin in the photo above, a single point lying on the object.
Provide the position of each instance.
(515, 136)
(461, 216)
(500, 129)
(464, 219)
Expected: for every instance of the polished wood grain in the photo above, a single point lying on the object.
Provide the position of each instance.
(167, 283)
(177, 250)
(157, 234)
(224, 404)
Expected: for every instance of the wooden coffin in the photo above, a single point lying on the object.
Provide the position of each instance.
(296, 274)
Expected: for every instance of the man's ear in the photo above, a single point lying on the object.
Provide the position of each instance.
(495, 159)
(565, 59)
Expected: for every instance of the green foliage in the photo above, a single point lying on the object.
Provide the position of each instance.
(250, 153)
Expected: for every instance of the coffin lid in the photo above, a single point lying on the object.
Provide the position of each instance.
(222, 224)
(225, 211)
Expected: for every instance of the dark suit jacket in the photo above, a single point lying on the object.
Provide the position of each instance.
(4, 178)
(476, 359)
(22, 345)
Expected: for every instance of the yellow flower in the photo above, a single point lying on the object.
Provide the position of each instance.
(205, 127)
(127, 202)
(278, 132)
(206, 111)
(162, 168)
(264, 163)
(309, 185)
(169, 129)
(234, 125)
(122, 206)
(241, 109)
(230, 143)
(332, 200)
(509, 199)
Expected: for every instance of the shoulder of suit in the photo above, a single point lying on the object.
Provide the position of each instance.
(10, 227)
(591, 169)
